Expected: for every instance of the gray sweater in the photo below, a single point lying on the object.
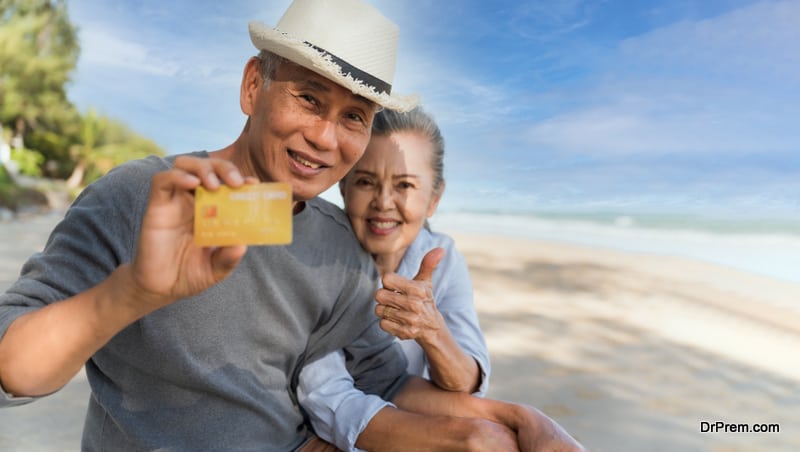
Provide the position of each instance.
(216, 371)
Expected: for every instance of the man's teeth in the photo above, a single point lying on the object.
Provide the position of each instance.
(305, 162)
(384, 224)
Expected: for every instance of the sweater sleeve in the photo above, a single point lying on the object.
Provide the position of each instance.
(376, 362)
(97, 234)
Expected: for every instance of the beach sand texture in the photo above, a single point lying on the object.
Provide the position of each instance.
(629, 352)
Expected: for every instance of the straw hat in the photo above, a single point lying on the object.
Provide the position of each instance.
(347, 41)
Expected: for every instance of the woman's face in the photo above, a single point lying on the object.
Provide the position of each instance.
(389, 193)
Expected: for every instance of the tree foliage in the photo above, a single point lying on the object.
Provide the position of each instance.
(39, 50)
(103, 144)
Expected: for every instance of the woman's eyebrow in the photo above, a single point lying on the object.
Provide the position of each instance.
(396, 176)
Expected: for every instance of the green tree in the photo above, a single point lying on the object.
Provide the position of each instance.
(104, 143)
(38, 51)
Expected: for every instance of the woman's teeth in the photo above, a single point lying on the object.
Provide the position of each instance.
(384, 224)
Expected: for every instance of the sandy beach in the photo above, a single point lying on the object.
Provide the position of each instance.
(633, 352)
(629, 352)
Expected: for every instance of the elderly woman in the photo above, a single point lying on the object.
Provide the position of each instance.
(426, 295)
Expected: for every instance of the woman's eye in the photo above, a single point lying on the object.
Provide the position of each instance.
(363, 182)
(405, 185)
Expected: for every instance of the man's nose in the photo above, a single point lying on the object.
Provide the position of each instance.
(322, 134)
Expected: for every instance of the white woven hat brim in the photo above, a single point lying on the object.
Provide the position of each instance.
(305, 55)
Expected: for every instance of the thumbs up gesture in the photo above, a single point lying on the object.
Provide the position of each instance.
(406, 307)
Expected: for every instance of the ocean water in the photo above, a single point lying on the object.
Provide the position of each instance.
(769, 247)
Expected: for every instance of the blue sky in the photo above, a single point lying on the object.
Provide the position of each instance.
(661, 105)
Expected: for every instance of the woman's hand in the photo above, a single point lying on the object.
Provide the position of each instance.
(168, 265)
(407, 308)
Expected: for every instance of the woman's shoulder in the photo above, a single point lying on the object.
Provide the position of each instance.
(428, 239)
(425, 241)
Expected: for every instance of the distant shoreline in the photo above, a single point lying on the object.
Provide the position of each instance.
(773, 253)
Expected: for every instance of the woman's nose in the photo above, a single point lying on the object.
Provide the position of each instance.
(383, 199)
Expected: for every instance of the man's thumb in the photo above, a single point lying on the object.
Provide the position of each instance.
(429, 263)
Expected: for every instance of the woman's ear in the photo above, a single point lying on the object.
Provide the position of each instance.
(251, 84)
(437, 196)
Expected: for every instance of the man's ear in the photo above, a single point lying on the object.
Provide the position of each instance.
(251, 84)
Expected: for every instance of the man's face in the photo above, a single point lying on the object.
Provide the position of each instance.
(305, 130)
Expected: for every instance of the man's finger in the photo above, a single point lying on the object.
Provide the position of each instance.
(211, 171)
(165, 184)
(224, 260)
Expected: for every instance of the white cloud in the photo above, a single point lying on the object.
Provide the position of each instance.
(756, 42)
(718, 85)
(546, 20)
(615, 129)
(103, 48)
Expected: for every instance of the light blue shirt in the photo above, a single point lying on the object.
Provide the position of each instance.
(338, 411)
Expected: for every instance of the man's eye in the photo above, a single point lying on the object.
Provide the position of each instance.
(307, 98)
(405, 185)
(364, 182)
(356, 117)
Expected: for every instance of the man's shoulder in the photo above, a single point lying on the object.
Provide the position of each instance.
(134, 172)
(326, 225)
(332, 215)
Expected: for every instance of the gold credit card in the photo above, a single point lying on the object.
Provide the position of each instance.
(255, 214)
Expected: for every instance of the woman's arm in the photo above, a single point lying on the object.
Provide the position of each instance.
(409, 311)
(338, 411)
(450, 367)
(352, 420)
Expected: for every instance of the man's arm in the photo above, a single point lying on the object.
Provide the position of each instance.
(393, 429)
(348, 418)
(41, 350)
(534, 430)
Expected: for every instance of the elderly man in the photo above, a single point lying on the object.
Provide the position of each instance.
(198, 348)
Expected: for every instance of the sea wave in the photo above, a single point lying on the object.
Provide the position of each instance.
(769, 248)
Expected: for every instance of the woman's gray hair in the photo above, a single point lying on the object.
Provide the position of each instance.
(269, 64)
(388, 122)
